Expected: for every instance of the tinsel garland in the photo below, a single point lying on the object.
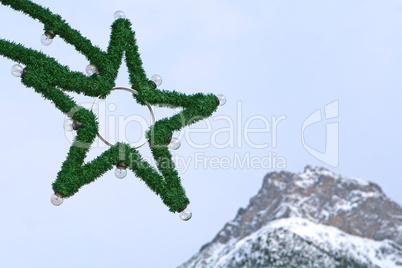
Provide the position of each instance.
(51, 79)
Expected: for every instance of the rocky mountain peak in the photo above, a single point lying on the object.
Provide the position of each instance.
(353, 206)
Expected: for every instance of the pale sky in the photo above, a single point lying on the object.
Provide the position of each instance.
(277, 63)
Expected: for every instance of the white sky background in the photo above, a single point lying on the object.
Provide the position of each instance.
(273, 58)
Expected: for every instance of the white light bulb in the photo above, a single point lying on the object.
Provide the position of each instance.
(56, 200)
(120, 173)
(222, 99)
(119, 15)
(17, 70)
(69, 125)
(157, 79)
(186, 215)
(174, 144)
(91, 70)
(45, 40)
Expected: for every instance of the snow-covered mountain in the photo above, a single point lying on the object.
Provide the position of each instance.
(313, 219)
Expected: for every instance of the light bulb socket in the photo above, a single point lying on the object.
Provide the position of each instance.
(169, 139)
(218, 102)
(153, 84)
(181, 210)
(96, 74)
(50, 34)
(24, 71)
(121, 165)
(58, 194)
(77, 125)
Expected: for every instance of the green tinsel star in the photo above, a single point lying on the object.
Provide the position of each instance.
(51, 79)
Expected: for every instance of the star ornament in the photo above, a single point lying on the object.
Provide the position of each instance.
(52, 80)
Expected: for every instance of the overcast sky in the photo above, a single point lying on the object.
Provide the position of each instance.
(307, 82)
